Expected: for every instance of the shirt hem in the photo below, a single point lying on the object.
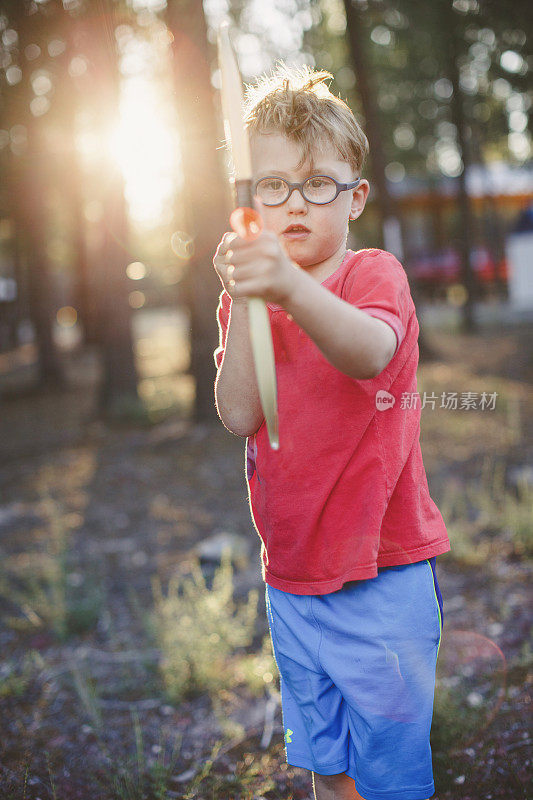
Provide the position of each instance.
(359, 573)
(320, 587)
(420, 553)
(391, 319)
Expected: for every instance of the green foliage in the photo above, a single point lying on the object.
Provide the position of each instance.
(137, 778)
(257, 670)
(404, 70)
(250, 779)
(88, 694)
(485, 517)
(15, 677)
(44, 596)
(197, 630)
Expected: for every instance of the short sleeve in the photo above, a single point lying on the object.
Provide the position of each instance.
(378, 286)
(223, 312)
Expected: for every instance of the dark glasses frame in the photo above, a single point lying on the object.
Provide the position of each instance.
(340, 187)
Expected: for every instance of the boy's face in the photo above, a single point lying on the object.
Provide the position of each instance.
(323, 228)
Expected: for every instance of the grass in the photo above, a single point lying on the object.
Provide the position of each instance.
(197, 630)
(201, 634)
(250, 779)
(15, 677)
(48, 593)
(130, 777)
(138, 778)
(205, 638)
(485, 518)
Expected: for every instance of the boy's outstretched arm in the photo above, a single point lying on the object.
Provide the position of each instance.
(236, 391)
(355, 343)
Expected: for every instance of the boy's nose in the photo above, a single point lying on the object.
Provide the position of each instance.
(296, 201)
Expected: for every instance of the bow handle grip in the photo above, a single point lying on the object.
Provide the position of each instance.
(246, 222)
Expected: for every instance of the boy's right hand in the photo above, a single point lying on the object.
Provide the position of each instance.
(221, 261)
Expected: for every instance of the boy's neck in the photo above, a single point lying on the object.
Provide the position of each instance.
(320, 272)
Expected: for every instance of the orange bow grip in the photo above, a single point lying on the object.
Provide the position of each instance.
(246, 222)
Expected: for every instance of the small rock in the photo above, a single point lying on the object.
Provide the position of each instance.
(454, 603)
(212, 548)
(114, 545)
(495, 629)
(184, 776)
(139, 559)
(474, 699)
(521, 475)
(10, 512)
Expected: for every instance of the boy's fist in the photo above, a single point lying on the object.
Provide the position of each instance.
(258, 267)
(221, 262)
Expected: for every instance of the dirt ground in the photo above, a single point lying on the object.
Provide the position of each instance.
(135, 502)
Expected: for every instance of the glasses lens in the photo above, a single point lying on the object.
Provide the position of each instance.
(319, 189)
(272, 191)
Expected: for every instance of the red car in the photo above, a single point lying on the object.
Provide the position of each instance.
(444, 267)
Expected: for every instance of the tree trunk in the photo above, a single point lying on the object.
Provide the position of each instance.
(205, 188)
(29, 195)
(392, 237)
(118, 396)
(70, 173)
(466, 219)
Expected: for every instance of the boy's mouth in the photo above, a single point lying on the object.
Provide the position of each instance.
(296, 232)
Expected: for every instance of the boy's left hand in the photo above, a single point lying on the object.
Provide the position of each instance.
(260, 267)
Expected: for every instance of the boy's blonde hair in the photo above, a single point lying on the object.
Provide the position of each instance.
(297, 102)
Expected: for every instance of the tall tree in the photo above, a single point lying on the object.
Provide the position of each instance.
(30, 178)
(451, 40)
(66, 105)
(118, 389)
(50, 161)
(367, 94)
(204, 184)
(390, 217)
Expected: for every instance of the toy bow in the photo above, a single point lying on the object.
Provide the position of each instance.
(247, 223)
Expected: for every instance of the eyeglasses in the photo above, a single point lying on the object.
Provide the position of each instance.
(318, 189)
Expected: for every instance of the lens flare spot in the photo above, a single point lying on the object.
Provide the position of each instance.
(39, 106)
(67, 317)
(136, 271)
(40, 82)
(457, 294)
(77, 67)
(182, 244)
(137, 299)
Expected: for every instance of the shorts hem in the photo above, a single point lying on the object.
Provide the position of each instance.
(419, 793)
(333, 768)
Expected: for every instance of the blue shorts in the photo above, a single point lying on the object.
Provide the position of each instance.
(357, 679)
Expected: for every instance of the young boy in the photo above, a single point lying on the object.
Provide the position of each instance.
(349, 531)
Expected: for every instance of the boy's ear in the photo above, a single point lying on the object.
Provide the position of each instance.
(359, 198)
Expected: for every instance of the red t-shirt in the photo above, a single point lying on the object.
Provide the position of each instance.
(347, 491)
